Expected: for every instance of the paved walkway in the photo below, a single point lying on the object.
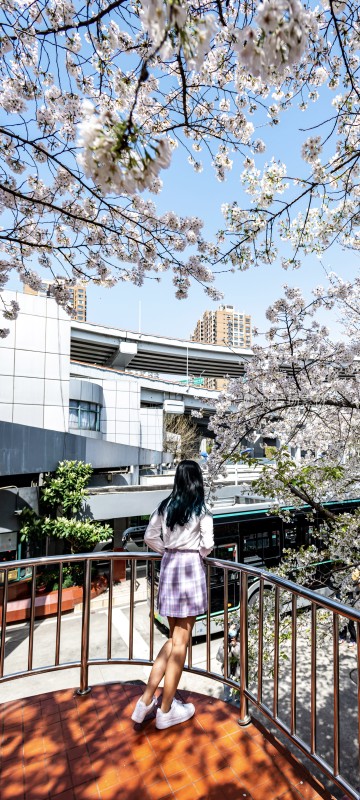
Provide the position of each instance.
(59, 746)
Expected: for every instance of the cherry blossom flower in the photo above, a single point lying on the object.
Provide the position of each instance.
(97, 98)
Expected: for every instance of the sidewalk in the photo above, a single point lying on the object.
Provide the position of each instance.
(121, 595)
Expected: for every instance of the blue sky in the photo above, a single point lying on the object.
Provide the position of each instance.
(252, 291)
(188, 193)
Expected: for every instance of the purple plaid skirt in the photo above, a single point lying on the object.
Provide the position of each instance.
(182, 584)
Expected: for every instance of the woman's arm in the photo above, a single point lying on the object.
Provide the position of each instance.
(206, 535)
(153, 532)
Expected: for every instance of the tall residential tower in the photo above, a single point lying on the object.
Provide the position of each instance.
(224, 326)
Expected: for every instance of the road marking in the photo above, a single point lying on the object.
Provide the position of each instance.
(121, 622)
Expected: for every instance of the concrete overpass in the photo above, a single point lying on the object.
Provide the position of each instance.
(120, 349)
(114, 502)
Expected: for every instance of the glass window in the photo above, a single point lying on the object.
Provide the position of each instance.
(250, 543)
(226, 552)
(84, 415)
(263, 540)
(73, 415)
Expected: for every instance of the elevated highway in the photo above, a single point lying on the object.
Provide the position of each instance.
(121, 349)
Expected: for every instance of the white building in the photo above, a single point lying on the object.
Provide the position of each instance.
(41, 387)
(52, 408)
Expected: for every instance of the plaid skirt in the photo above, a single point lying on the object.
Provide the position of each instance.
(182, 584)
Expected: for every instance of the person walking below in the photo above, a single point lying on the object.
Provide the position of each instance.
(181, 530)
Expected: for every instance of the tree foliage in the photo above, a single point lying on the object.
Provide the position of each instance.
(97, 97)
(60, 506)
(302, 388)
(181, 436)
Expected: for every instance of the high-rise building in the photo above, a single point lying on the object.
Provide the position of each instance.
(77, 297)
(224, 326)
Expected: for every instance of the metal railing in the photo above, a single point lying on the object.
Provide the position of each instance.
(261, 645)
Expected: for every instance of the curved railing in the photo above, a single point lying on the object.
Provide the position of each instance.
(269, 635)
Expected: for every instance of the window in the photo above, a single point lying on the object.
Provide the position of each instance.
(84, 415)
(250, 544)
(227, 552)
(290, 537)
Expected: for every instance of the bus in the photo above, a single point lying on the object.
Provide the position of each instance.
(249, 535)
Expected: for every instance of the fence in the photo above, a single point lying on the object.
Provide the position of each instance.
(275, 635)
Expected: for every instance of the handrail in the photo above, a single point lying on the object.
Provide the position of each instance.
(257, 572)
(247, 694)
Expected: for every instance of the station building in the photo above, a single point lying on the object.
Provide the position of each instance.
(74, 391)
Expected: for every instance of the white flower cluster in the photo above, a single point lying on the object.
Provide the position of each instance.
(303, 388)
(319, 76)
(280, 40)
(311, 149)
(113, 160)
(164, 74)
(263, 187)
(171, 25)
(11, 310)
(222, 162)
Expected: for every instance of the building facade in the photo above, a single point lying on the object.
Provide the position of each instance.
(53, 408)
(224, 326)
(67, 393)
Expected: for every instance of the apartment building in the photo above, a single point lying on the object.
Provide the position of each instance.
(224, 326)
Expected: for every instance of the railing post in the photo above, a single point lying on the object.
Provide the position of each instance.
(58, 615)
(245, 718)
(276, 653)
(131, 610)
(110, 606)
(293, 664)
(260, 641)
(152, 605)
(336, 674)
(208, 619)
(32, 619)
(3, 622)
(313, 680)
(85, 632)
(226, 623)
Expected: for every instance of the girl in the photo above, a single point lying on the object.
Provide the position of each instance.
(181, 529)
(233, 659)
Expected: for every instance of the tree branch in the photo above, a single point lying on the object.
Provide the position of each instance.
(84, 23)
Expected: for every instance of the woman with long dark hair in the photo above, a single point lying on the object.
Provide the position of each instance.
(181, 529)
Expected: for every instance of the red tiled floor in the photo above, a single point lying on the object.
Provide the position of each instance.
(60, 746)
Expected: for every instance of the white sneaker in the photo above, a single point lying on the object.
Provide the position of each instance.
(141, 710)
(179, 712)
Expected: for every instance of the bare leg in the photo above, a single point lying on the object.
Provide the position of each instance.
(158, 671)
(176, 660)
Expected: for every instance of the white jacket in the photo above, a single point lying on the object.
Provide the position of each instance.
(197, 534)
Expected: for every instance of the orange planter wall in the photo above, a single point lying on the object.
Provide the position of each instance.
(46, 603)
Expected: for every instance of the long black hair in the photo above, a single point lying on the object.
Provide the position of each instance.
(187, 496)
